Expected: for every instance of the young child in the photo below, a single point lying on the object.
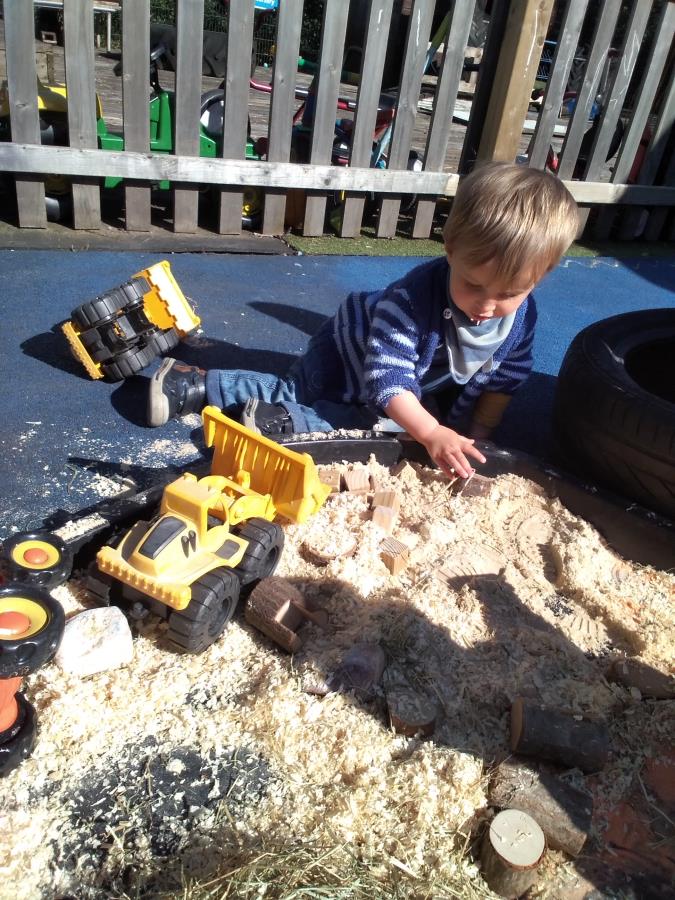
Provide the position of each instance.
(457, 329)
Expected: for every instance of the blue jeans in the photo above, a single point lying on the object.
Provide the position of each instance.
(300, 392)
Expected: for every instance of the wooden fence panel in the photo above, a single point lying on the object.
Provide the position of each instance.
(21, 80)
(323, 129)
(239, 44)
(596, 62)
(444, 102)
(654, 68)
(417, 41)
(613, 104)
(367, 99)
(189, 30)
(570, 29)
(282, 106)
(135, 46)
(78, 25)
(653, 159)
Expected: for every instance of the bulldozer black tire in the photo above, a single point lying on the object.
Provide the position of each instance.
(213, 603)
(128, 363)
(17, 742)
(265, 543)
(614, 410)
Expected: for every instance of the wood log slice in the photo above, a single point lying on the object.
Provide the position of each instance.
(511, 851)
(563, 812)
(566, 738)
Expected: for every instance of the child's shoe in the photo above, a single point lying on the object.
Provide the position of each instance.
(176, 389)
(268, 419)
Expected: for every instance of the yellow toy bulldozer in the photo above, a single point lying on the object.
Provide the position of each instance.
(214, 535)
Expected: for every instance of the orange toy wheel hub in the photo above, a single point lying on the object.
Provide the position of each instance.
(13, 624)
(36, 556)
(9, 709)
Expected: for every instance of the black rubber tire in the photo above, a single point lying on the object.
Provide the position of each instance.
(164, 341)
(51, 573)
(614, 410)
(265, 544)
(17, 742)
(214, 601)
(19, 655)
(91, 340)
(128, 363)
(100, 310)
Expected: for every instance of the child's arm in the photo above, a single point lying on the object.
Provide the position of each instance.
(447, 448)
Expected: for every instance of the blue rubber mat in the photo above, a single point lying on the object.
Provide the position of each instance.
(68, 442)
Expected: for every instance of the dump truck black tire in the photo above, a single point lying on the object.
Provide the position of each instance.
(265, 543)
(214, 601)
(22, 654)
(614, 411)
(164, 341)
(17, 742)
(128, 363)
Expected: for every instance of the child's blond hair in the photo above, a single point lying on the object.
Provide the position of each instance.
(520, 218)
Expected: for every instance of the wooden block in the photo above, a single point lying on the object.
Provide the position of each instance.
(394, 554)
(389, 499)
(356, 481)
(385, 518)
(333, 478)
(275, 608)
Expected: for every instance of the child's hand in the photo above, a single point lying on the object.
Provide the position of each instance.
(449, 450)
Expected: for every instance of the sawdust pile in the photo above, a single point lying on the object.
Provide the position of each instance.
(186, 767)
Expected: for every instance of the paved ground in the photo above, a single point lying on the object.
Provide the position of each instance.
(68, 442)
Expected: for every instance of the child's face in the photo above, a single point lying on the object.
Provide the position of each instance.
(480, 294)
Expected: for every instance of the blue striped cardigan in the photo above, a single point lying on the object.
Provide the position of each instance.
(385, 342)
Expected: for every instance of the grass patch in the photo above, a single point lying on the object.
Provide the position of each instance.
(403, 245)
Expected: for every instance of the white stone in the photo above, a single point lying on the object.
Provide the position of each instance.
(95, 640)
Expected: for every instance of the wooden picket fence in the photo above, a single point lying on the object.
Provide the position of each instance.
(636, 198)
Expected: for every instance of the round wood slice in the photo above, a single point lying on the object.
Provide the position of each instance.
(511, 851)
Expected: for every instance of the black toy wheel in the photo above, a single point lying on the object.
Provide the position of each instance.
(214, 601)
(91, 340)
(164, 341)
(127, 296)
(100, 310)
(39, 558)
(17, 742)
(128, 363)
(265, 543)
(31, 628)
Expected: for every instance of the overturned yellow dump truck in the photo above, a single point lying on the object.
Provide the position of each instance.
(119, 333)
(214, 535)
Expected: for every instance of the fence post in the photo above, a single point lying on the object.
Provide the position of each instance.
(21, 75)
(78, 17)
(135, 43)
(524, 37)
